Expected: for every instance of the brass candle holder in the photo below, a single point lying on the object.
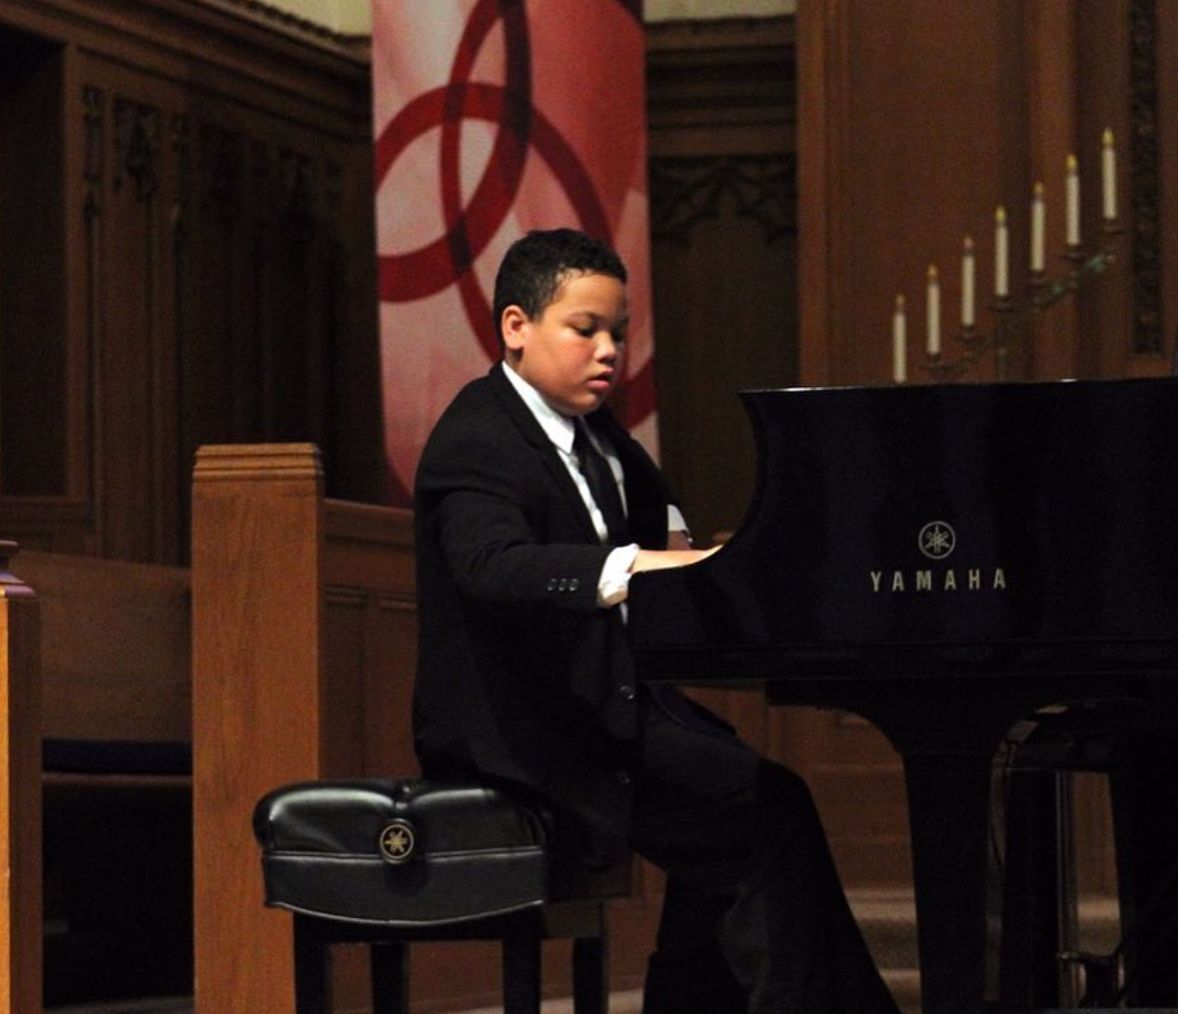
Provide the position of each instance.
(1011, 321)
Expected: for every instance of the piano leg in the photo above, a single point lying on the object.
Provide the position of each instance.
(948, 806)
(1036, 903)
(1145, 819)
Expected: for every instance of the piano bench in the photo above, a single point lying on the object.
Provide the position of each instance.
(389, 862)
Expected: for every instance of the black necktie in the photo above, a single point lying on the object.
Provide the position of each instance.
(602, 484)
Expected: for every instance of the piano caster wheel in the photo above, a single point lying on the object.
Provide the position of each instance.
(1093, 980)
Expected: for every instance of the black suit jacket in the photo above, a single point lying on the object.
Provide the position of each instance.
(521, 675)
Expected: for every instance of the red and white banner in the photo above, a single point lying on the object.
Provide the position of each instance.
(491, 118)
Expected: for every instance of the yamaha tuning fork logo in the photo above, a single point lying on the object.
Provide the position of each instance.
(937, 541)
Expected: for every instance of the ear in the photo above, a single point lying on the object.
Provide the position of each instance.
(513, 325)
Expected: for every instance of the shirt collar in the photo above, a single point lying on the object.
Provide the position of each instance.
(558, 428)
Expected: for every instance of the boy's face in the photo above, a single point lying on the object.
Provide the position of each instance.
(572, 352)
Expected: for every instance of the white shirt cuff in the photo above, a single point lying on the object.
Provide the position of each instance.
(614, 583)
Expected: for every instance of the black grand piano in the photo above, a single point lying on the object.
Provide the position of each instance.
(948, 561)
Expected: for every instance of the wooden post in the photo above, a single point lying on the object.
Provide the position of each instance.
(257, 604)
(20, 794)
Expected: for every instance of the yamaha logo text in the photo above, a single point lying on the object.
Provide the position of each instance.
(936, 541)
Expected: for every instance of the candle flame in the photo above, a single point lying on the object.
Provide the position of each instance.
(1072, 164)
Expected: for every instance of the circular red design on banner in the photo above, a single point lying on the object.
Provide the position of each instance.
(447, 260)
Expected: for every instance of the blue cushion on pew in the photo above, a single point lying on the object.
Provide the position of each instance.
(115, 757)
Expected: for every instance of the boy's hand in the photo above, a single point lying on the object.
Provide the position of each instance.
(662, 559)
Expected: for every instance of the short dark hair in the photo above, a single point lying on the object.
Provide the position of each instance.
(535, 266)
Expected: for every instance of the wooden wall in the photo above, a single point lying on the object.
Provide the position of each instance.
(724, 247)
(915, 126)
(185, 256)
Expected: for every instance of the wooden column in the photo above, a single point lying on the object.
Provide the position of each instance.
(257, 607)
(20, 794)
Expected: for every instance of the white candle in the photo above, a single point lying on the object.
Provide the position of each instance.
(1038, 229)
(1072, 184)
(1001, 255)
(1108, 175)
(899, 343)
(967, 283)
(934, 311)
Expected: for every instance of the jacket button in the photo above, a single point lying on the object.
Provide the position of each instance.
(574, 583)
(553, 584)
(626, 692)
(624, 778)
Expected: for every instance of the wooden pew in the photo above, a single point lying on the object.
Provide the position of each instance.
(94, 664)
(303, 655)
(20, 795)
(115, 648)
(113, 777)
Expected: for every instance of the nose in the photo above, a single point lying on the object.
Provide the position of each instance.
(607, 347)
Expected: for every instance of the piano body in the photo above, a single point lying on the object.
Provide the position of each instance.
(945, 561)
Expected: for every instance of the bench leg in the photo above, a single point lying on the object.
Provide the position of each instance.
(312, 961)
(521, 974)
(390, 977)
(591, 975)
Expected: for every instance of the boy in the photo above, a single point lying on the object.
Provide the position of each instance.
(526, 539)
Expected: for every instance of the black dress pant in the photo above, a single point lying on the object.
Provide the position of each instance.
(754, 916)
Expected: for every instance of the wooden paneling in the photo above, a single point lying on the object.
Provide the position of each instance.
(195, 265)
(723, 236)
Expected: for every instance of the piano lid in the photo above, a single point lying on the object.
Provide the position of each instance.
(999, 515)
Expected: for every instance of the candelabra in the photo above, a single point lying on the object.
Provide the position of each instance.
(1011, 321)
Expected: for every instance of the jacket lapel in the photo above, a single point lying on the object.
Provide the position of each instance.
(530, 430)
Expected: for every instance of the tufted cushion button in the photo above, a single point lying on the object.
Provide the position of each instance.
(626, 692)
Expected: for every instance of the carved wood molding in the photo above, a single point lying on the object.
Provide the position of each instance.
(257, 462)
(721, 111)
(137, 144)
(687, 191)
(1144, 175)
(722, 87)
(92, 125)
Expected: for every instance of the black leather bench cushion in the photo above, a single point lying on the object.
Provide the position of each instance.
(452, 851)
